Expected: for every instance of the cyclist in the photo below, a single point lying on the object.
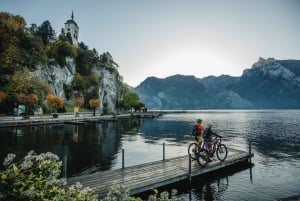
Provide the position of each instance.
(207, 136)
(198, 129)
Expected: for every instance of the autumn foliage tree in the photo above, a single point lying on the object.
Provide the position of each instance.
(2, 96)
(26, 88)
(29, 100)
(94, 103)
(78, 102)
(54, 101)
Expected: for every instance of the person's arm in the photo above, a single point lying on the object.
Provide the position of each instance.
(194, 131)
(215, 134)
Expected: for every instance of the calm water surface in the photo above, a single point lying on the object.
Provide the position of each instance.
(274, 135)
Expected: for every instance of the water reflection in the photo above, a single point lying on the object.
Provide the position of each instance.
(84, 148)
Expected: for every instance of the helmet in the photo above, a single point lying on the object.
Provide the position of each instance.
(199, 120)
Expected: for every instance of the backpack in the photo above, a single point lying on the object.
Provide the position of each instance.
(207, 134)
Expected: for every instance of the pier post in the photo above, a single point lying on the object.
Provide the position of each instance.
(122, 158)
(164, 152)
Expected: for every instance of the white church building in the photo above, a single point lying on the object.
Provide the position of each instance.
(72, 28)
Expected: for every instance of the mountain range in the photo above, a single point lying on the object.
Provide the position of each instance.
(268, 84)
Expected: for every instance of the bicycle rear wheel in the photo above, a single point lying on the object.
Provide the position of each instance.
(202, 157)
(193, 150)
(222, 152)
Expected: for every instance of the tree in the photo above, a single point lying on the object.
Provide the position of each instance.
(85, 60)
(60, 50)
(46, 32)
(130, 99)
(140, 106)
(26, 88)
(78, 102)
(94, 103)
(55, 102)
(29, 100)
(2, 96)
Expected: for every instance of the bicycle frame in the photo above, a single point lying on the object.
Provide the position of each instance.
(215, 143)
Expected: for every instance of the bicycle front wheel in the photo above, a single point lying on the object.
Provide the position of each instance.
(193, 150)
(222, 152)
(202, 157)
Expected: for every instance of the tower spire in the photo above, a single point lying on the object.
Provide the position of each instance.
(72, 16)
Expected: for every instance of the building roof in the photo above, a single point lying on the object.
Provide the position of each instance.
(71, 21)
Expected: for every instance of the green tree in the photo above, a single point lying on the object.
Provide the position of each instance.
(130, 99)
(60, 50)
(46, 32)
(12, 28)
(33, 51)
(86, 59)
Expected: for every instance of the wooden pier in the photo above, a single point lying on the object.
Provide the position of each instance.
(144, 177)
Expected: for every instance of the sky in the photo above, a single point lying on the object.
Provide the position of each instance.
(162, 38)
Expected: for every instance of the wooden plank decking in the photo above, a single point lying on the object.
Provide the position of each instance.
(141, 178)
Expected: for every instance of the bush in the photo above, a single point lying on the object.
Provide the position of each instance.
(36, 177)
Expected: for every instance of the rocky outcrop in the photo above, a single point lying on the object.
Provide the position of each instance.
(109, 88)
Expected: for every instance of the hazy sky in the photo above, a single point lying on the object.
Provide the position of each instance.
(167, 37)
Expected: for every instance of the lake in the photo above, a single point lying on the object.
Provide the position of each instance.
(274, 135)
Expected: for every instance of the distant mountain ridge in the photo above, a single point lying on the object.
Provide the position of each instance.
(269, 84)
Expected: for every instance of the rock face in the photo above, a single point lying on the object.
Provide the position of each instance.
(109, 88)
(57, 76)
(269, 83)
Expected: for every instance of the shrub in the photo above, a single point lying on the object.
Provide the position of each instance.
(36, 177)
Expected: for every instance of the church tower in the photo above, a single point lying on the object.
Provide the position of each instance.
(72, 28)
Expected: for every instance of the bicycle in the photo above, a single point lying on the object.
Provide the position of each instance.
(194, 149)
(203, 155)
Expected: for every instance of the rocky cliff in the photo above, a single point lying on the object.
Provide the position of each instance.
(109, 87)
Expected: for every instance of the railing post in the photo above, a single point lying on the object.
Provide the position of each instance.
(164, 152)
(250, 151)
(122, 158)
(190, 169)
(65, 162)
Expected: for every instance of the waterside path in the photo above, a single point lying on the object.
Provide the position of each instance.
(82, 118)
